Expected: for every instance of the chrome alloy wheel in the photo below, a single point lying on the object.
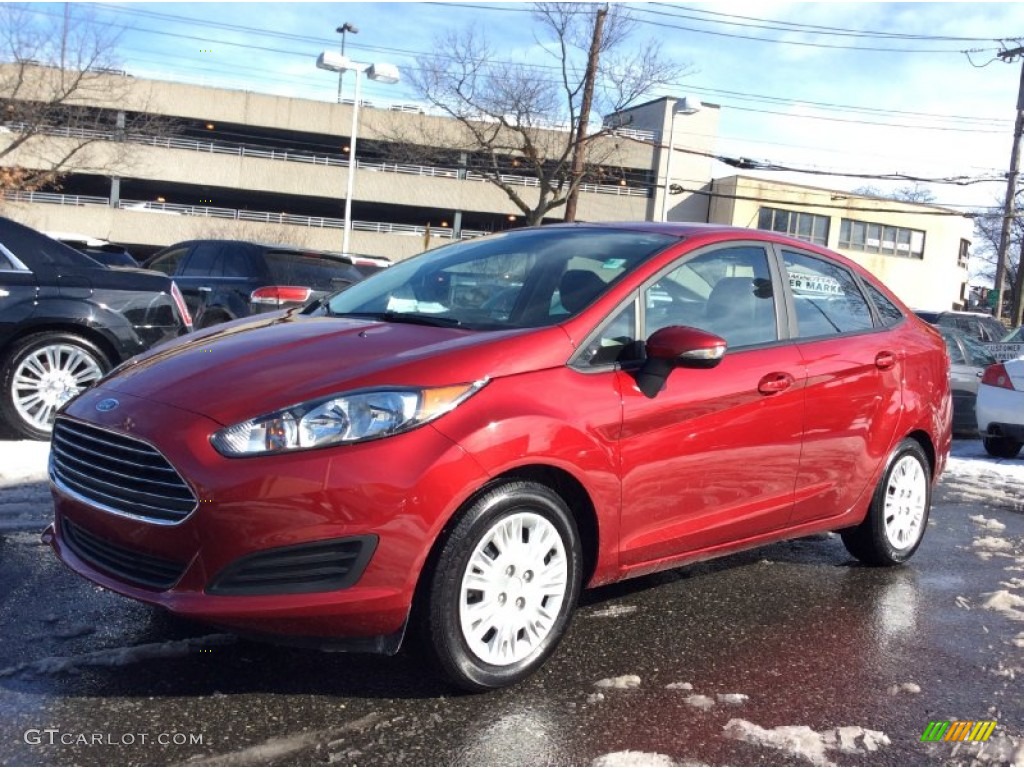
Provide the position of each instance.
(47, 378)
(513, 588)
(906, 500)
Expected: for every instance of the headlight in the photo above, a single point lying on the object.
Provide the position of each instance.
(345, 418)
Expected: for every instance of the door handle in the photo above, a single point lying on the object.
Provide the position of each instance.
(885, 360)
(204, 289)
(773, 383)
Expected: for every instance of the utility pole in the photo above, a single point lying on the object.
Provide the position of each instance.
(1011, 193)
(579, 146)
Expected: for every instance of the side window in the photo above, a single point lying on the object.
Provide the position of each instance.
(888, 312)
(826, 297)
(168, 263)
(615, 342)
(235, 264)
(5, 263)
(204, 261)
(728, 292)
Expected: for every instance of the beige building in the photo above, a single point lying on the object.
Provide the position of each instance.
(919, 251)
(271, 168)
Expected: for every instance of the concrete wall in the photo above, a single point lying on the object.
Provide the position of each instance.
(932, 282)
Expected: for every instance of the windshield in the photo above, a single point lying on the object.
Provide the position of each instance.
(524, 279)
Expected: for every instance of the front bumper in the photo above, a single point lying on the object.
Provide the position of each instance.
(393, 495)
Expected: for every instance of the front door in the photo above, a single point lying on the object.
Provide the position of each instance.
(712, 459)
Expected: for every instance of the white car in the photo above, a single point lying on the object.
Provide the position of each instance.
(1000, 408)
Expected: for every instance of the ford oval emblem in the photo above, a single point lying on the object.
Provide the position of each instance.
(107, 405)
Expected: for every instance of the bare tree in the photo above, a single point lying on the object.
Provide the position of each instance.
(528, 120)
(984, 258)
(914, 194)
(53, 72)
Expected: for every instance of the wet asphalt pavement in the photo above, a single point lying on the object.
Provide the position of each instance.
(811, 638)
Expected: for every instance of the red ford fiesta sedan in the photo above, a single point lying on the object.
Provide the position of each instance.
(462, 442)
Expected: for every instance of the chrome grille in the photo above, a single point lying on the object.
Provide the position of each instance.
(117, 473)
(145, 570)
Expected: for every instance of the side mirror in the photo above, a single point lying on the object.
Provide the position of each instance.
(677, 346)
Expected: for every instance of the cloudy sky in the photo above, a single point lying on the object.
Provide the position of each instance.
(876, 88)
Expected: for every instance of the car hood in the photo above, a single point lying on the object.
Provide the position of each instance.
(239, 370)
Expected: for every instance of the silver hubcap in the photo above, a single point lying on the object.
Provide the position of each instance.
(48, 378)
(905, 499)
(513, 589)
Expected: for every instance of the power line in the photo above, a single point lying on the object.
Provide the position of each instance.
(828, 30)
(697, 89)
(797, 203)
(754, 38)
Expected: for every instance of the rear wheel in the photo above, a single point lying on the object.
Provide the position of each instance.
(41, 373)
(898, 515)
(504, 588)
(1002, 447)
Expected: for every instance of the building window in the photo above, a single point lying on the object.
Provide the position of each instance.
(806, 226)
(965, 254)
(869, 237)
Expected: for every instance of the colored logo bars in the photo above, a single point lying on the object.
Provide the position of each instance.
(958, 730)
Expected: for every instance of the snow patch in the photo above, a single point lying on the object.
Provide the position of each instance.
(1019, 640)
(988, 523)
(700, 702)
(732, 698)
(613, 611)
(992, 544)
(899, 688)
(594, 698)
(804, 742)
(118, 657)
(623, 681)
(1006, 603)
(963, 602)
(680, 686)
(632, 758)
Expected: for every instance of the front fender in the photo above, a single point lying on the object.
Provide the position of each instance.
(517, 422)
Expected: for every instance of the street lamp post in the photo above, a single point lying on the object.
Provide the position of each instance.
(685, 106)
(345, 27)
(382, 73)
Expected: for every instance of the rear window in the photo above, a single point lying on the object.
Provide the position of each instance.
(310, 269)
(35, 250)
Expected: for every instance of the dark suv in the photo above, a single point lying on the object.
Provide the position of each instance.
(226, 279)
(65, 320)
(975, 325)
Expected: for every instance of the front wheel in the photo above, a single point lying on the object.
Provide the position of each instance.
(898, 515)
(1001, 447)
(41, 373)
(504, 588)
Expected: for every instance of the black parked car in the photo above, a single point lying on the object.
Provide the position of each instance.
(227, 279)
(66, 319)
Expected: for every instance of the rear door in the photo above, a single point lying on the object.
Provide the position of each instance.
(854, 395)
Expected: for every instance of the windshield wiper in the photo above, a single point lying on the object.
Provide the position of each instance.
(414, 318)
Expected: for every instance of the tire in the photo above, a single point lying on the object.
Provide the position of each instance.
(898, 515)
(1002, 447)
(41, 373)
(489, 621)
